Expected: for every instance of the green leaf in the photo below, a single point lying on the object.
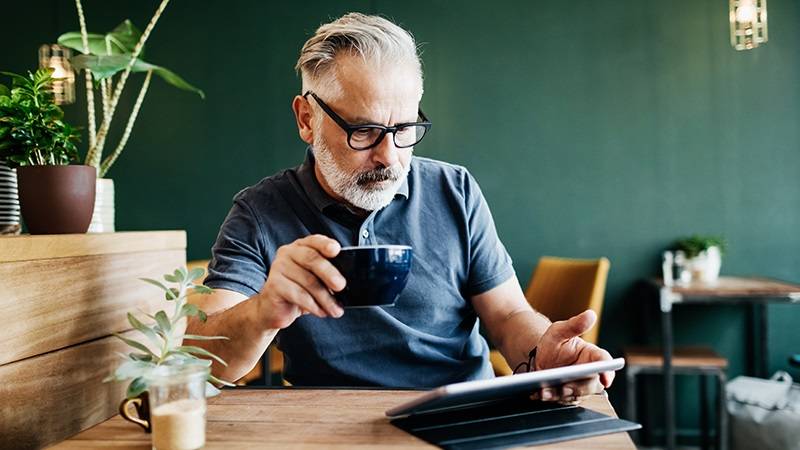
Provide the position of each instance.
(136, 345)
(172, 294)
(163, 322)
(197, 337)
(171, 278)
(196, 273)
(97, 43)
(187, 310)
(218, 381)
(102, 66)
(140, 357)
(201, 351)
(4, 92)
(201, 289)
(125, 37)
(144, 329)
(137, 386)
(121, 40)
(168, 76)
(133, 369)
(154, 283)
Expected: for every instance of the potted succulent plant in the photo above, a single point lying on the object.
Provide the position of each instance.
(703, 256)
(162, 346)
(108, 60)
(55, 197)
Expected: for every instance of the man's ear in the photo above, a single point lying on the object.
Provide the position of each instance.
(303, 115)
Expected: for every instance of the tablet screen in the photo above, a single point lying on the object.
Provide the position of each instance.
(472, 392)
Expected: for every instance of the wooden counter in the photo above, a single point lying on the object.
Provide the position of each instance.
(62, 296)
(291, 418)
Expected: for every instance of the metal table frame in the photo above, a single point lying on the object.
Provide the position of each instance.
(699, 294)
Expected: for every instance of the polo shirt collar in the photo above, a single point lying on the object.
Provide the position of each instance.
(314, 190)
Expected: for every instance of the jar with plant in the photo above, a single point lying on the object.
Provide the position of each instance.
(169, 380)
(703, 256)
(55, 196)
(107, 61)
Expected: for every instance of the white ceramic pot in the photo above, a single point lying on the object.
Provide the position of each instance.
(103, 217)
(706, 265)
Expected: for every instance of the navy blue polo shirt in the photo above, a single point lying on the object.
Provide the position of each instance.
(430, 337)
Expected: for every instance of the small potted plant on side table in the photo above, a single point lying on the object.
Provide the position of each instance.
(704, 256)
(169, 380)
(55, 197)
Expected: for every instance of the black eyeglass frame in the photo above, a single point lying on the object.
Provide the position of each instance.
(350, 129)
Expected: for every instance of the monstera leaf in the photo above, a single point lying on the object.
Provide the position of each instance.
(107, 66)
(119, 41)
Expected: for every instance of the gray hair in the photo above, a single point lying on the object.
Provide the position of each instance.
(373, 38)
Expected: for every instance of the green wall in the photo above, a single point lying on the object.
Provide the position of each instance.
(594, 127)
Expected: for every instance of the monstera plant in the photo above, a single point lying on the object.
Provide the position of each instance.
(108, 60)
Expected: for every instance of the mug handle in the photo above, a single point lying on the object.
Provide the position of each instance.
(124, 411)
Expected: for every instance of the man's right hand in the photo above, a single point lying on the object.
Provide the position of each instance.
(300, 281)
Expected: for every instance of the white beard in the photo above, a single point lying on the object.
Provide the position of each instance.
(359, 189)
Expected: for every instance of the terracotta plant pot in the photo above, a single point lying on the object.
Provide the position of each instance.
(57, 199)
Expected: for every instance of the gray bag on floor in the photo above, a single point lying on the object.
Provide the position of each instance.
(764, 414)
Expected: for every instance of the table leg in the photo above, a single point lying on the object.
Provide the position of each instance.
(665, 302)
(266, 374)
(757, 340)
(763, 337)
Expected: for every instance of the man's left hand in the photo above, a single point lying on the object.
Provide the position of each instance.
(560, 346)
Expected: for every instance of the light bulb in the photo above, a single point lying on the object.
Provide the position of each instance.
(746, 12)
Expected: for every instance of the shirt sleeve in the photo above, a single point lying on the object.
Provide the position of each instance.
(489, 262)
(237, 257)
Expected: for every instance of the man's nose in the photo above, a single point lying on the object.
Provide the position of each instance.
(385, 153)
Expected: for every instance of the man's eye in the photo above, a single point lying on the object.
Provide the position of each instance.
(405, 130)
(362, 133)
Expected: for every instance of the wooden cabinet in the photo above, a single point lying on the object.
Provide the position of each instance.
(61, 298)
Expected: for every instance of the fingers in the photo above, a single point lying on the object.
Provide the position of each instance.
(301, 276)
(573, 327)
(569, 392)
(312, 285)
(297, 295)
(312, 260)
(323, 244)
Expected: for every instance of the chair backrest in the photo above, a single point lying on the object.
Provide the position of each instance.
(561, 288)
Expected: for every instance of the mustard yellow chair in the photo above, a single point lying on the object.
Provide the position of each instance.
(561, 288)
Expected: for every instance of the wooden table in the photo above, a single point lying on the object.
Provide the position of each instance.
(295, 418)
(755, 291)
(62, 297)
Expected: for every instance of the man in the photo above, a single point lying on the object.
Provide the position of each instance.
(360, 185)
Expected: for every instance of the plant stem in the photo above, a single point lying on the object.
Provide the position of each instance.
(89, 86)
(104, 93)
(103, 132)
(124, 140)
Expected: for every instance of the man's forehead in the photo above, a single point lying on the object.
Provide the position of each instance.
(360, 78)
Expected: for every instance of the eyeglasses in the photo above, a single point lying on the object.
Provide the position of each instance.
(366, 136)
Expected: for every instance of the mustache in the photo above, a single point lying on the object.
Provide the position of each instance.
(380, 174)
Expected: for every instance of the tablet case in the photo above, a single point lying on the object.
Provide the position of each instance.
(509, 423)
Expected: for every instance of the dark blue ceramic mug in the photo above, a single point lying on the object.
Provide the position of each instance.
(375, 274)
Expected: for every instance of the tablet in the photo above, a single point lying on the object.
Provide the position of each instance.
(473, 392)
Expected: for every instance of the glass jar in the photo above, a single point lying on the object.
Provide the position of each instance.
(177, 396)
